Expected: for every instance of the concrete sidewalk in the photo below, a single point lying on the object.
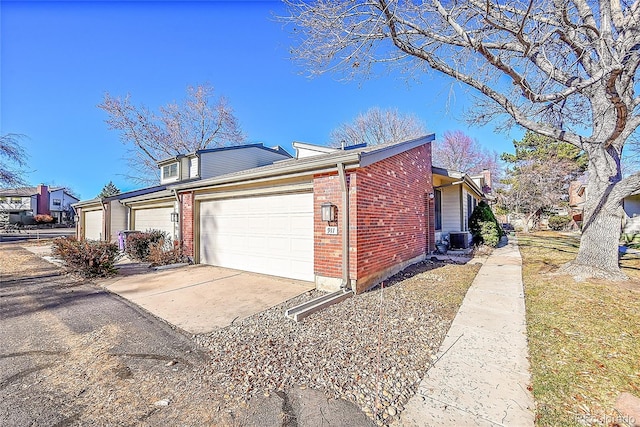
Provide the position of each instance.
(482, 372)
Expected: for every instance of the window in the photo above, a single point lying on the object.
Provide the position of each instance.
(170, 171)
(437, 198)
(57, 202)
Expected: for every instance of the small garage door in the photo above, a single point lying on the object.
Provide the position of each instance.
(154, 219)
(269, 234)
(93, 225)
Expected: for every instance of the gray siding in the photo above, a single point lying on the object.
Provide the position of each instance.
(233, 160)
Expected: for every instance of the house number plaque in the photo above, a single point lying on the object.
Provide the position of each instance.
(331, 230)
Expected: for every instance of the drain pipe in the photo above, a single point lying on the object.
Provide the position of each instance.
(346, 282)
(179, 223)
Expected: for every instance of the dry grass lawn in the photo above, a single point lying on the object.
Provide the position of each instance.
(584, 338)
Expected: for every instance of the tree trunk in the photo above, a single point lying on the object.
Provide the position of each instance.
(602, 219)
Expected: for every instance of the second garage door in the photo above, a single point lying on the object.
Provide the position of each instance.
(93, 225)
(268, 234)
(154, 219)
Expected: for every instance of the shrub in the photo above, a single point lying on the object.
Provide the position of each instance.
(159, 254)
(559, 222)
(490, 233)
(87, 257)
(484, 226)
(43, 219)
(138, 245)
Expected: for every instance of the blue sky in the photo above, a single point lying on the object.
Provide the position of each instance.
(58, 59)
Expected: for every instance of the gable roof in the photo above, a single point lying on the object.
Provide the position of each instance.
(459, 178)
(353, 158)
(121, 196)
(29, 191)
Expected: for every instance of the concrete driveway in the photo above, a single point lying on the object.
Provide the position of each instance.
(203, 298)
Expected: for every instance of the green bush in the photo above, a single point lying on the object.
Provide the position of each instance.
(559, 222)
(490, 234)
(484, 226)
(88, 258)
(138, 245)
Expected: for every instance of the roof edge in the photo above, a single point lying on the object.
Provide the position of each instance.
(371, 157)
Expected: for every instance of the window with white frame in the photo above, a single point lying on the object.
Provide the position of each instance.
(170, 171)
(57, 202)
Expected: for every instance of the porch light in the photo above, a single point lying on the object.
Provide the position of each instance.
(328, 212)
(175, 216)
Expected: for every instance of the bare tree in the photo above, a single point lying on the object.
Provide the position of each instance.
(565, 69)
(378, 126)
(458, 151)
(534, 187)
(198, 123)
(12, 158)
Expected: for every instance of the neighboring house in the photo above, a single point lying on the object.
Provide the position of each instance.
(630, 205)
(20, 205)
(156, 207)
(455, 197)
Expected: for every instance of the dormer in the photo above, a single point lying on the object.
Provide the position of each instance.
(212, 162)
(178, 168)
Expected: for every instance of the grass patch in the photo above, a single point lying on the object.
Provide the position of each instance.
(584, 338)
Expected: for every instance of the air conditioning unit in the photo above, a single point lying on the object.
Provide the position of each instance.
(459, 240)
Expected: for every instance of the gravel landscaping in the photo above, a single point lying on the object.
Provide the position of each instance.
(371, 349)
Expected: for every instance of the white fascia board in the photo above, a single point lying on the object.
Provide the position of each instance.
(85, 203)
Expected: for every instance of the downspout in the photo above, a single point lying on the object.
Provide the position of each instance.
(179, 231)
(106, 229)
(346, 282)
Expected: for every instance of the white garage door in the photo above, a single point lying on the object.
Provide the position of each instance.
(154, 219)
(269, 234)
(93, 225)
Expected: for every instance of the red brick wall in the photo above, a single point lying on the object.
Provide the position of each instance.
(327, 248)
(187, 223)
(392, 212)
(391, 216)
(43, 200)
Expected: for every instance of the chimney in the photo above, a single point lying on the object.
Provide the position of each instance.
(486, 177)
(43, 200)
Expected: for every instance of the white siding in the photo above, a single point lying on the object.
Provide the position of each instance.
(268, 234)
(93, 224)
(193, 167)
(233, 160)
(118, 219)
(451, 209)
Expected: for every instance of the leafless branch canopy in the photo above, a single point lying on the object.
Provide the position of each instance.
(200, 122)
(12, 158)
(562, 68)
(378, 126)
